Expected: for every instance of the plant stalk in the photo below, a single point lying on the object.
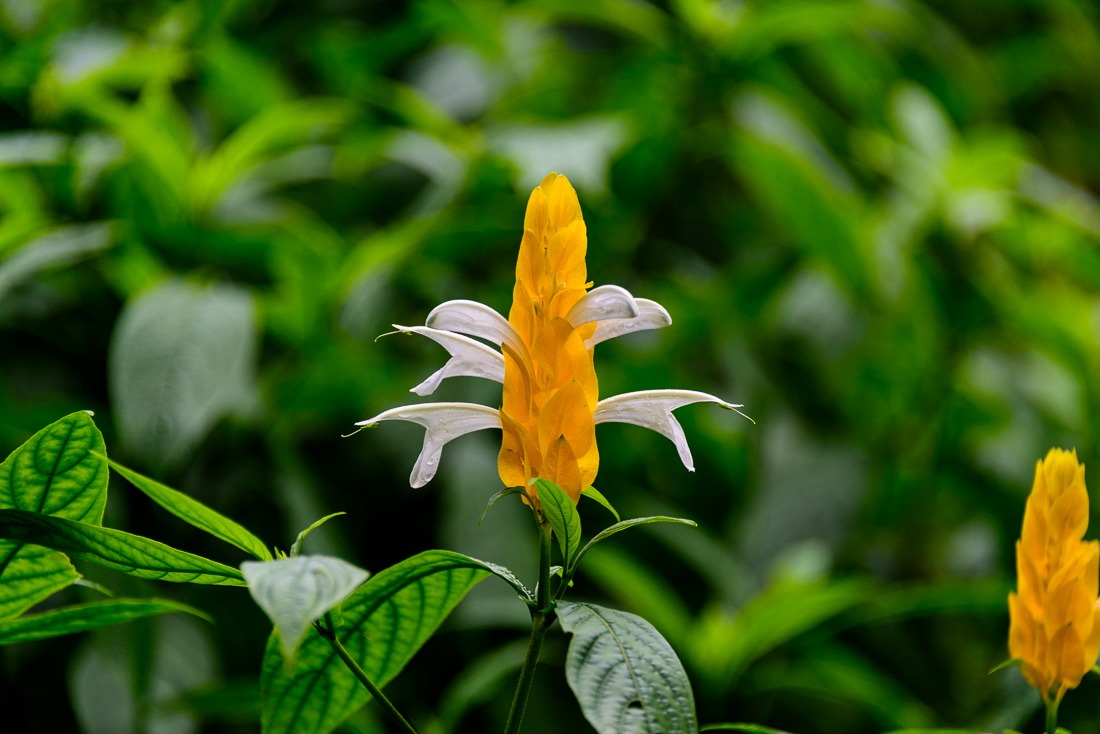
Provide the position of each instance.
(328, 631)
(1052, 716)
(541, 619)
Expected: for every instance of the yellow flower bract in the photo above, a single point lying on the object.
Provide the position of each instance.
(550, 393)
(1054, 627)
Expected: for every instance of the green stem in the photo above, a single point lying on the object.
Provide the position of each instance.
(1052, 715)
(328, 631)
(541, 619)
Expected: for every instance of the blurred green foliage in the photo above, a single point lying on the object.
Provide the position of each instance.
(872, 222)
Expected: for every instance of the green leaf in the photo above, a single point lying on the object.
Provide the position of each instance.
(58, 248)
(114, 549)
(84, 617)
(593, 493)
(58, 471)
(295, 591)
(625, 524)
(625, 676)
(561, 513)
(382, 624)
(296, 548)
(195, 513)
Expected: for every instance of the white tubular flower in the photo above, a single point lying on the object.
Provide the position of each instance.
(652, 409)
(444, 423)
(550, 404)
(469, 358)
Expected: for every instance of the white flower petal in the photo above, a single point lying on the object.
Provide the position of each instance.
(475, 319)
(652, 409)
(651, 315)
(604, 302)
(443, 422)
(469, 358)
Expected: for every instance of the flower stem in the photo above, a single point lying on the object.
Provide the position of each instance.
(328, 631)
(541, 619)
(1052, 715)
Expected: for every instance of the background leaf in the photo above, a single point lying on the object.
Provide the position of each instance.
(190, 352)
(625, 675)
(59, 471)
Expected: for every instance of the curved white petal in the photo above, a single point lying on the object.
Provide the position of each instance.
(603, 302)
(651, 315)
(652, 409)
(469, 358)
(443, 422)
(475, 319)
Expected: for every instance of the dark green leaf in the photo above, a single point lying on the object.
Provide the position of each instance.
(595, 494)
(196, 513)
(561, 513)
(382, 624)
(746, 728)
(625, 676)
(114, 549)
(84, 617)
(498, 497)
(58, 471)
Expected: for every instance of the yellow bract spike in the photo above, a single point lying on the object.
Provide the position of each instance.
(549, 398)
(1054, 618)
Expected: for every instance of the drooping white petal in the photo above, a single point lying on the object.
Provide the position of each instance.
(443, 422)
(652, 409)
(603, 302)
(469, 358)
(651, 315)
(475, 319)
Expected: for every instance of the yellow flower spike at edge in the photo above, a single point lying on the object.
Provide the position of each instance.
(551, 402)
(1054, 616)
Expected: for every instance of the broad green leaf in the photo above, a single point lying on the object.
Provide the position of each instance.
(58, 471)
(595, 494)
(625, 676)
(296, 548)
(561, 513)
(624, 525)
(382, 624)
(84, 617)
(196, 513)
(745, 728)
(181, 358)
(114, 549)
(294, 592)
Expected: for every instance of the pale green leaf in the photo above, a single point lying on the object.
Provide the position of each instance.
(595, 494)
(115, 549)
(561, 513)
(84, 617)
(57, 248)
(625, 676)
(382, 624)
(196, 513)
(296, 591)
(59, 471)
(181, 358)
(296, 548)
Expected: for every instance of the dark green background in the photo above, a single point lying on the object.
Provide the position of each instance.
(872, 222)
